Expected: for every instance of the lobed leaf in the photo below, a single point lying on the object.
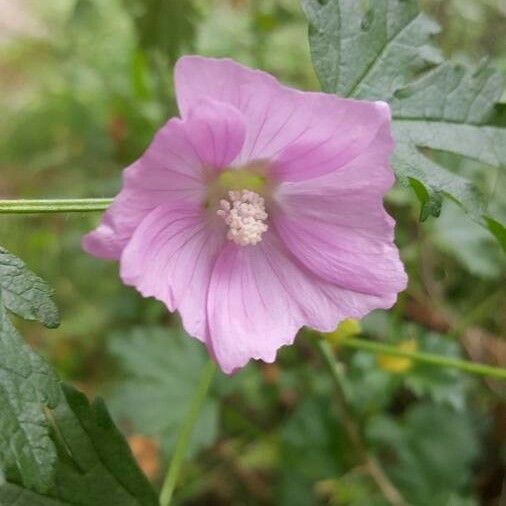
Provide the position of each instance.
(95, 465)
(27, 385)
(55, 448)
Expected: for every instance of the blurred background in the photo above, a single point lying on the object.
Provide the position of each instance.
(84, 84)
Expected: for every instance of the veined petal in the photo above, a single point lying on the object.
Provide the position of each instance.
(339, 130)
(259, 297)
(337, 227)
(172, 169)
(170, 257)
(302, 134)
(221, 79)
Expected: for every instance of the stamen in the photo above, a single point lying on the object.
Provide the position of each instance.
(244, 213)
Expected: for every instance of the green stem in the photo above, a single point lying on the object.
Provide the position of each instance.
(426, 358)
(26, 206)
(185, 433)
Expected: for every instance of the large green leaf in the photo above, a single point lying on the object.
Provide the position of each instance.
(161, 370)
(94, 467)
(55, 449)
(384, 50)
(27, 385)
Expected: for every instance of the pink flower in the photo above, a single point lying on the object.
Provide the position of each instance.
(257, 212)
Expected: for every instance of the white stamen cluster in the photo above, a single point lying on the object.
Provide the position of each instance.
(244, 213)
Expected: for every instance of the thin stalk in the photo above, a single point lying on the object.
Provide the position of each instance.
(185, 433)
(387, 488)
(426, 358)
(27, 206)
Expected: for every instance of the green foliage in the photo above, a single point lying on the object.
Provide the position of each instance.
(428, 454)
(26, 381)
(442, 385)
(383, 50)
(164, 26)
(469, 243)
(54, 448)
(161, 369)
(313, 432)
(94, 465)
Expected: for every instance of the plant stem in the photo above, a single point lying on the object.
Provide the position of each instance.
(185, 433)
(426, 358)
(26, 206)
(387, 488)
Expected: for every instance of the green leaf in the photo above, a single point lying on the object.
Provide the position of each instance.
(27, 385)
(383, 50)
(161, 370)
(55, 449)
(430, 452)
(95, 465)
(24, 293)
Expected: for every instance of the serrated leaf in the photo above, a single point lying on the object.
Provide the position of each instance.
(383, 50)
(162, 368)
(94, 467)
(27, 385)
(369, 51)
(55, 449)
(24, 293)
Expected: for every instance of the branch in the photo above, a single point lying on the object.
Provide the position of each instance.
(26, 206)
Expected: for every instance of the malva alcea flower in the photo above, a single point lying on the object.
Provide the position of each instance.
(257, 212)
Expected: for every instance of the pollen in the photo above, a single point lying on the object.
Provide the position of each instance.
(244, 213)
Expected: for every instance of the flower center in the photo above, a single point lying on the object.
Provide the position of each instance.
(244, 213)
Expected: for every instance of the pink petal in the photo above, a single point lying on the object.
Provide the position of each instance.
(173, 168)
(170, 257)
(339, 131)
(307, 134)
(197, 78)
(337, 227)
(259, 297)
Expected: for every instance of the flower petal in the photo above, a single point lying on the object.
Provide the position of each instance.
(221, 79)
(337, 227)
(173, 168)
(259, 297)
(339, 131)
(307, 134)
(170, 257)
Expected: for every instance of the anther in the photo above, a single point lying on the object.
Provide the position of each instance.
(244, 213)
